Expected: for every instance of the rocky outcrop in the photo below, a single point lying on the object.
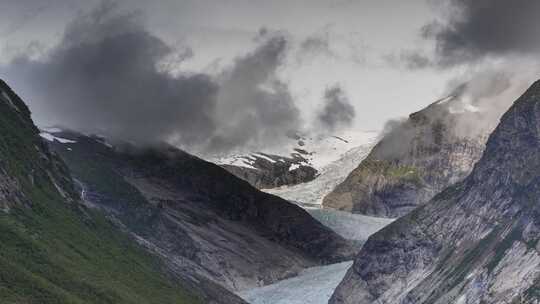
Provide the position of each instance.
(266, 171)
(198, 217)
(475, 242)
(301, 159)
(413, 161)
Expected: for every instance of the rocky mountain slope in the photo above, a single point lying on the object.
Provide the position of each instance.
(309, 195)
(413, 161)
(475, 242)
(266, 171)
(53, 250)
(300, 160)
(347, 156)
(199, 218)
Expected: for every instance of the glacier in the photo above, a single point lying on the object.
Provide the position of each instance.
(312, 286)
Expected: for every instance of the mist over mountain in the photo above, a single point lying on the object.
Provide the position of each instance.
(270, 152)
(474, 242)
(109, 75)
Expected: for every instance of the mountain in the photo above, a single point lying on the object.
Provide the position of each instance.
(309, 195)
(199, 218)
(299, 160)
(346, 155)
(265, 171)
(413, 161)
(53, 249)
(475, 242)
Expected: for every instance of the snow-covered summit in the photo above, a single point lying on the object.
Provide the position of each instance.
(336, 157)
(302, 159)
(317, 151)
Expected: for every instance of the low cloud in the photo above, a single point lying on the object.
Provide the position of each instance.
(409, 59)
(109, 75)
(337, 111)
(474, 30)
(316, 45)
(471, 108)
(255, 108)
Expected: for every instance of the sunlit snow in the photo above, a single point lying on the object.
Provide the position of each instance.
(51, 138)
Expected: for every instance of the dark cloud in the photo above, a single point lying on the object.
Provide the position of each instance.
(104, 77)
(495, 45)
(255, 108)
(25, 14)
(109, 75)
(473, 30)
(337, 111)
(415, 60)
(317, 45)
(327, 43)
(410, 59)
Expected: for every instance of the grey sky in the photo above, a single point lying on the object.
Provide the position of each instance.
(329, 42)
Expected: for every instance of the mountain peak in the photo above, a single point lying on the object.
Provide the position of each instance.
(413, 161)
(513, 148)
(468, 244)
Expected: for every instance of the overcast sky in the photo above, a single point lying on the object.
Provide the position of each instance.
(384, 58)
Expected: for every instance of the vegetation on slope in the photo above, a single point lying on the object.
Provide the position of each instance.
(52, 249)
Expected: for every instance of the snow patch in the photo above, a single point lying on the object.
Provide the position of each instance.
(294, 167)
(52, 130)
(445, 100)
(321, 150)
(311, 194)
(52, 138)
(260, 155)
(236, 160)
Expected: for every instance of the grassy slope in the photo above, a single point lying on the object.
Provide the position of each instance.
(51, 250)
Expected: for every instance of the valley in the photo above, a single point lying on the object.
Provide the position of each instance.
(269, 152)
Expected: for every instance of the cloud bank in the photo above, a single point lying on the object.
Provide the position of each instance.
(108, 75)
(337, 111)
(473, 30)
(493, 47)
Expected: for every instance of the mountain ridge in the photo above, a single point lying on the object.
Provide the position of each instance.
(475, 242)
(200, 218)
(53, 249)
(414, 160)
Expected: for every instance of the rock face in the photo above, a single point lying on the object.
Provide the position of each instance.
(266, 171)
(475, 242)
(311, 194)
(53, 250)
(199, 218)
(412, 162)
(300, 160)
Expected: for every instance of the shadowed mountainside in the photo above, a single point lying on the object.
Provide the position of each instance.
(199, 218)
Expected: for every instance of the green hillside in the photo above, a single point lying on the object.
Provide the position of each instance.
(53, 250)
